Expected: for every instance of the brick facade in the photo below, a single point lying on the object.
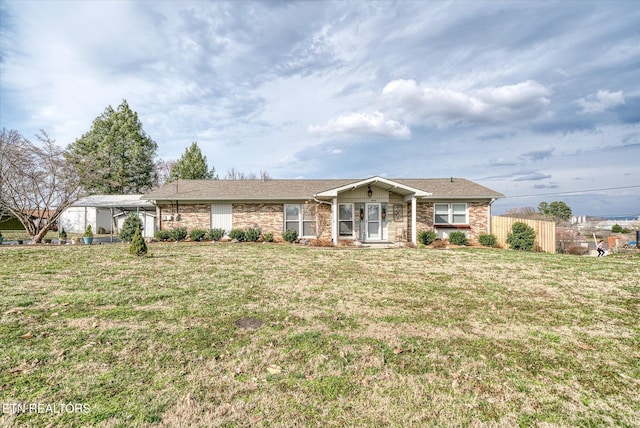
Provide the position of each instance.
(267, 217)
(192, 216)
(424, 216)
(478, 218)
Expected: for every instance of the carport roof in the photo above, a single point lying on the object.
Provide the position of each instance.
(113, 201)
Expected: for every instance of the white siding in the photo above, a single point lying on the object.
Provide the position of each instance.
(75, 219)
(221, 217)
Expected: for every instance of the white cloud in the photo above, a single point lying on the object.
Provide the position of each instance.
(522, 100)
(362, 124)
(601, 101)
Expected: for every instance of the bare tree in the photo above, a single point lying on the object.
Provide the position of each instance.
(37, 183)
(523, 212)
(163, 169)
(234, 174)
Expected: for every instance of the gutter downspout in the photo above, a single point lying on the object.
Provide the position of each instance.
(489, 216)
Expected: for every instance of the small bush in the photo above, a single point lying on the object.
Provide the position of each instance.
(163, 235)
(197, 235)
(138, 247)
(522, 237)
(216, 234)
(616, 228)
(252, 234)
(268, 237)
(577, 250)
(290, 235)
(88, 233)
(487, 240)
(179, 233)
(458, 238)
(426, 237)
(131, 224)
(238, 235)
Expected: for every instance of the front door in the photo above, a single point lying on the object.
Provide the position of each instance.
(373, 222)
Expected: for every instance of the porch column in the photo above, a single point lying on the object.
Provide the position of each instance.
(334, 221)
(414, 232)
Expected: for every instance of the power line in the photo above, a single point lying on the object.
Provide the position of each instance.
(572, 192)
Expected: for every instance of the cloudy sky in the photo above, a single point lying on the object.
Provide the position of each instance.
(527, 98)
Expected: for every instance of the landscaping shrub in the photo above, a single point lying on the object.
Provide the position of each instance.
(252, 234)
(163, 235)
(197, 235)
(216, 234)
(179, 233)
(522, 237)
(238, 235)
(487, 240)
(290, 235)
(577, 250)
(426, 237)
(616, 228)
(138, 247)
(268, 237)
(458, 238)
(131, 224)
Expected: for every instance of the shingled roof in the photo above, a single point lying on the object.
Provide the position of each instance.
(256, 190)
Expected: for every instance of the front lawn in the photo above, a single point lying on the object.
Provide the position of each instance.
(335, 337)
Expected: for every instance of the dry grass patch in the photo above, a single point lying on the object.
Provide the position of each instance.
(359, 338)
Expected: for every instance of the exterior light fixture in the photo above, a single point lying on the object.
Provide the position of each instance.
(369, 192)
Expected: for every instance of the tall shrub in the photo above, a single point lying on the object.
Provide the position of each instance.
(138, 247)
(131, 223)
(522, 237)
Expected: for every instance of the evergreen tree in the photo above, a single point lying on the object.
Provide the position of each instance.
(193, 165)
(557, 209)
(522, 237)
(131, 224)
(138, 247)
(116, 156)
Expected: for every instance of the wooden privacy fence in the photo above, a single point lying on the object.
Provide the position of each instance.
(545, 231)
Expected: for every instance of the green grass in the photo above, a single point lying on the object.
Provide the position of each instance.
(398, 337)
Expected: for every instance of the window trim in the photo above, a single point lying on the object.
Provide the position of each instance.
(450, 214)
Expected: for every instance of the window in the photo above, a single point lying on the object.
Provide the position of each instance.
(300, 218)
(345, 219)
(308, 220)
(441, 213)
(459, 213)
(450, 214)
(292, 218)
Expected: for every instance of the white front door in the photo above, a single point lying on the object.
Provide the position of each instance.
(373, 222)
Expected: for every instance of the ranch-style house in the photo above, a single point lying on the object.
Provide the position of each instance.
(372, 210)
